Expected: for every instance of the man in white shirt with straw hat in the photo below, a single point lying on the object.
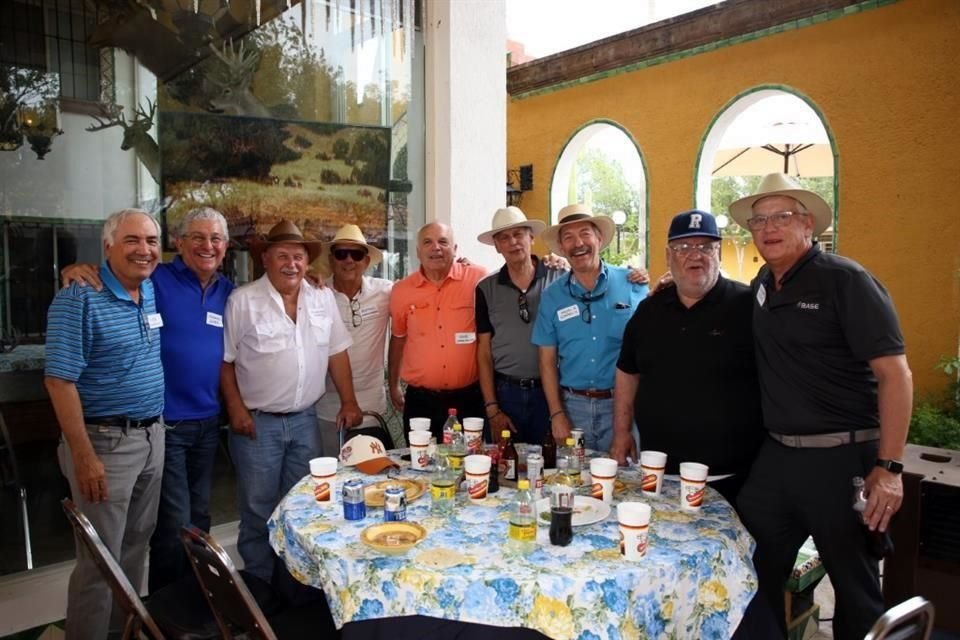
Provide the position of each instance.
(364, 305)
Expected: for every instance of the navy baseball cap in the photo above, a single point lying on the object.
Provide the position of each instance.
(693, 223)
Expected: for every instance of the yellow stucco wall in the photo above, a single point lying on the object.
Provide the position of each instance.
(886, 82)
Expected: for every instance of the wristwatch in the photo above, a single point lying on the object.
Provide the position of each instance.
(893, 466)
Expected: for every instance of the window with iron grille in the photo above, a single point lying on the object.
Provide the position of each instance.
(52, 35)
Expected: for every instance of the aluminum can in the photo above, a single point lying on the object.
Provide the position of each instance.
(354, 505)
(577, 435)
(394, 503)
(535, 473)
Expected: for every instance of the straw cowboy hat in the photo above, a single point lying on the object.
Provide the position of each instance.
(350, 234)
(285, 232)
(779, 184)
(509, 218)
(578, 213)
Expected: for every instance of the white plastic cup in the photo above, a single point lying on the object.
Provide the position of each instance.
(473, 434)
(324, 472)
(693, 484)
(419, 424)
(652, 466)
(419, 449)
(603, 474)
(634, 521)
(476, 469)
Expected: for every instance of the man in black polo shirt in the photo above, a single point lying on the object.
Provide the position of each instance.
(506, 305)
(836, 394)
(692, 340)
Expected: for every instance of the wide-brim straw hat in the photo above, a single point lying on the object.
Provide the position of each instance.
(780, 184)
(350, 234)
(573, 213)
(285, 232)
(509, 218)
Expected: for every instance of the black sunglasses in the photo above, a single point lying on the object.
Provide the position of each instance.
(356, 254)
(524, 311)
(593, 296)
(355, 316)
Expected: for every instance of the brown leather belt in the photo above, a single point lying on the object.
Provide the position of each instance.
(826, 440)
(596, 394)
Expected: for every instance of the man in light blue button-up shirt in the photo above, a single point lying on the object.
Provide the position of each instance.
(580, 326)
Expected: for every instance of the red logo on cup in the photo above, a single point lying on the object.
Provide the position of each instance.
(322, 492)
(695, 498)
(478, 490)
(596, 490)
(422, 459)
(649, 482)
(642, 546)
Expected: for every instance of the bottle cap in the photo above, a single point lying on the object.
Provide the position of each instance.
(523, 484)
(570, 442)
(451, 412)
(505, 433)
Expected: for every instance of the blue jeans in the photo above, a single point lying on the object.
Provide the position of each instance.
(527, 409)
(594, 416)
(191, 450)
(267, 467)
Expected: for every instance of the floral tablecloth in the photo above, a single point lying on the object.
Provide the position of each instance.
(694, 582)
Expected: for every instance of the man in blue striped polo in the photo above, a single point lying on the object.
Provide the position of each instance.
(105, 380)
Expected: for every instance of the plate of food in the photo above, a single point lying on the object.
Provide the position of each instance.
(393, 538)
(619, 486)
(373, 493)
(586, 510)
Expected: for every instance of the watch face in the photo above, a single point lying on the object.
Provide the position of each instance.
(892, 466)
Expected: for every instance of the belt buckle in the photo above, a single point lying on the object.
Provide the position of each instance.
(526, 383)
(789, 440)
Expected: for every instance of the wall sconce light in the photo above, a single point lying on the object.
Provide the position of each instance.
(41, 126)
(518, 181)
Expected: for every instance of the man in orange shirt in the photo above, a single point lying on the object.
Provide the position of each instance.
(433, 346)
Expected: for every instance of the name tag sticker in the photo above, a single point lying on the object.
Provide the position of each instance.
(573, 311)
(465, 338)
(214, 319)
(154, 320)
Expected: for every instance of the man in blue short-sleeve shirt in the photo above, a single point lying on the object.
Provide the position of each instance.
(580, 325)
(105, 380)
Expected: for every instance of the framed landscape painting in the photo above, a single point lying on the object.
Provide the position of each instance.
(258, 171)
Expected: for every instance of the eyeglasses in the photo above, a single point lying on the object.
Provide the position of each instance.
(524, 311)
(779, 220)
(355, 316)
(356, 254)
(686, 249)
(586, 300)
(200, 239)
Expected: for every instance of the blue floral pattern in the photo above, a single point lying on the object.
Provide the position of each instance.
(695, 581)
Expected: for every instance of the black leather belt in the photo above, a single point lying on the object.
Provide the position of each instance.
(596, 394)
(523, 383)
(122, 421)
(826, 440)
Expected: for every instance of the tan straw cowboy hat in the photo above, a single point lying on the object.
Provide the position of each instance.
(573, 213)
(285, 232)
(350, 234)
(780, 184)
(509, 218)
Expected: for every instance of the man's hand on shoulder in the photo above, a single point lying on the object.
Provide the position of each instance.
(82, 273)
(315, 279)
(637, 275)
(556, 263)
(663, 283)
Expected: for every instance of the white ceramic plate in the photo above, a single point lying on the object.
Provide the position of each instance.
(586, 510)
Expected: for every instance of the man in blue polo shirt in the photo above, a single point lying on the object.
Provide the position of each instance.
(105, 380)
(580, 326)
(191, 295)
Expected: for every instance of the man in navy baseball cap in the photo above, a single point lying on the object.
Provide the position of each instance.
(691, 224)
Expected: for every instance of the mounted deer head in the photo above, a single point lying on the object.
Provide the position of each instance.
(136, 134)
(229, 82)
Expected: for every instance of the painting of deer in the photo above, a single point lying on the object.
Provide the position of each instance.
(136, 134)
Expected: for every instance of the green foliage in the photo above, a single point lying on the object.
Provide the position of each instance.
(937, 424)
(600, 181)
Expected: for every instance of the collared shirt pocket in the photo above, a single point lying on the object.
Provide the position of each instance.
(269, 337)
(320, 326)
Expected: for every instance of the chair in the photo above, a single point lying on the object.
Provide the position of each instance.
(909, 620)
(235, 607)
(10, 477)
(171, 612)
(380, 432)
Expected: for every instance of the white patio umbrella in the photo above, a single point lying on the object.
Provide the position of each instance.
(780, 133)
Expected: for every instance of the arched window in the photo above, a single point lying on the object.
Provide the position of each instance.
(764, 130)
(601, 165)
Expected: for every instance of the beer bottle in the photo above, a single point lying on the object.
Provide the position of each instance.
(549, 451)
(508, 456)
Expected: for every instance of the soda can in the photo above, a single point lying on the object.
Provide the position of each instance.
(354, 505)
(535, 473)
(577, 435)
(394, 503)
